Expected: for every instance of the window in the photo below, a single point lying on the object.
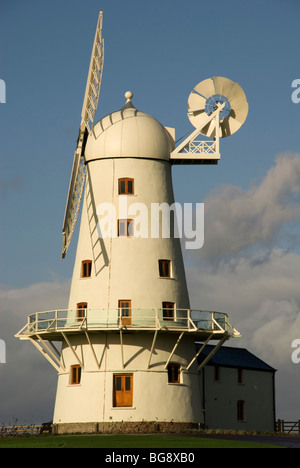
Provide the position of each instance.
(126, 186)
(173, 373)
(75, 375)
(123, 390)
(168, 310)
(81, 311)
(164, 268)
(125, 312)
(217, 373)
(240, 376)
(241, 410)
(86, 268)
(125, 227)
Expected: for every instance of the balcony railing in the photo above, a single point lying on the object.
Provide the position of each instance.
(200, 146)
(157, 319)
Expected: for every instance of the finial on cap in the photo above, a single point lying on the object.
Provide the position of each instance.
(129, 96)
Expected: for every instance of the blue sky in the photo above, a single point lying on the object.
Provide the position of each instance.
(159, 50)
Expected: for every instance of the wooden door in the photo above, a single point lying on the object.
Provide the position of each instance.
(123, 390)
(125, 312)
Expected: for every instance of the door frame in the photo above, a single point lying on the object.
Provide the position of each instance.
(125, 319)
(124, 398)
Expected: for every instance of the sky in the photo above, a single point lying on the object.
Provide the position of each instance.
(249, 266)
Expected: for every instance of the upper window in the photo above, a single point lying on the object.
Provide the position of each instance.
(174, 373)
(164, 268)
(86, 268)
(240, 375)
(126, 186)
(125, 227)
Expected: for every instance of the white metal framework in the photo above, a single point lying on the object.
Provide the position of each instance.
(89, 108)
(198, 151)
(43, 329)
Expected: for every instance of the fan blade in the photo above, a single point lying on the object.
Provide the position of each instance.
(223, 85)
(240, 108)
(196, 107)
(196, 117)
(195, 101)
(229, 126)
(206, 88)
(236, 92)
(94, 79)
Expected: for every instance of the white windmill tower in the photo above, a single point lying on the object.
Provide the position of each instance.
(127, 355)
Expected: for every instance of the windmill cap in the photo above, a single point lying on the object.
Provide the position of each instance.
(129, 133)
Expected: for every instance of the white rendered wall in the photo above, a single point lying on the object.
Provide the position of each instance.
(154, 399)
(127, 268)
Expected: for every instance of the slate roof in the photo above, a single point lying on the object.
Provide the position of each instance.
(233, 357)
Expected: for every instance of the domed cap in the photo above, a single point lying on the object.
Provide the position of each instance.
(129, 133)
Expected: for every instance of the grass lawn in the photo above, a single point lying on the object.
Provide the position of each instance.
(125, 441)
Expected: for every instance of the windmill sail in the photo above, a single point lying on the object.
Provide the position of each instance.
(89, 108)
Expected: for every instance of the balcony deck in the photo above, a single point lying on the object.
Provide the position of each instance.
(51, 324)
(44, 328)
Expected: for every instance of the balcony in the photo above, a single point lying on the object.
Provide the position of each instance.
(45, 328)
(53, 323)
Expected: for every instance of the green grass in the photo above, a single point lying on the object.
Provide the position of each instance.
(125, 441)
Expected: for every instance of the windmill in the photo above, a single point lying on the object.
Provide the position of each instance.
(217, 108)
(127, 355)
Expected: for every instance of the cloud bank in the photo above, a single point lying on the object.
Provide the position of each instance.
(249, 268)
(236, 219)
(27, 381)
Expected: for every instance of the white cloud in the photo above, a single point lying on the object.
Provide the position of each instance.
(279, 325)
(27, 381)
(261, 296)
(237, 219)
(244, 271)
